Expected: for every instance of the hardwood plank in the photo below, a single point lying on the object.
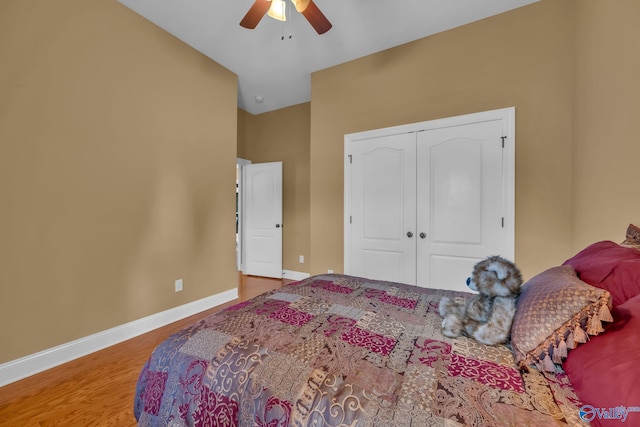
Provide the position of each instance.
(98, 389)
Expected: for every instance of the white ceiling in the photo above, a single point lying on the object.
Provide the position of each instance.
(279, 70)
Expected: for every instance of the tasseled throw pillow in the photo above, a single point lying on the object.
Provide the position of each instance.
(556, 311)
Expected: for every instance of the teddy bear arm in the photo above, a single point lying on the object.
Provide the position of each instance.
(452, 326)
(479, 309)
(449, 306)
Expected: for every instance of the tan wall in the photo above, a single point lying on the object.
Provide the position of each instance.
(117, 160)
(283, 135)
(607, 105)
(116, 164)
(523, 58)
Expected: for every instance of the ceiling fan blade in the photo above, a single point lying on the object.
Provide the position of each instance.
(316, 18)
(255, 14)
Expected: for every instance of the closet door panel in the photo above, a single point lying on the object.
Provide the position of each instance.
(460, 203)
(384, 208)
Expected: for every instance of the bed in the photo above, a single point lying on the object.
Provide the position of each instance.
(336, 350)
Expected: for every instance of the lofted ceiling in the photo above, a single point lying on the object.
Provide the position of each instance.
(276, 69)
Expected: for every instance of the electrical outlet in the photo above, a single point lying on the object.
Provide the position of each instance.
(301, 259)
(330, 271)
(178, 285)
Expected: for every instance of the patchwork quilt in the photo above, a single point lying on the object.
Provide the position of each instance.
(336, 350)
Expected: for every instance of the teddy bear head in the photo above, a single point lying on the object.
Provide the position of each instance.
(495, 276)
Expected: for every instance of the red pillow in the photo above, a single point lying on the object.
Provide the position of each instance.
(605, 371)
(607, 265)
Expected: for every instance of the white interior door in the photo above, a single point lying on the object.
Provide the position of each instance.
(383, 216)
(460, 201)
(262, 236)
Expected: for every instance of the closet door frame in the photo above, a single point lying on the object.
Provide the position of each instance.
(507, 115)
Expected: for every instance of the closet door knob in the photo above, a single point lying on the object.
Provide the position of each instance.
(423, 235)
(409, 234)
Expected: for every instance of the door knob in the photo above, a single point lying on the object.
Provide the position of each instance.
(277, 225)
(409, 234)
(423, 235)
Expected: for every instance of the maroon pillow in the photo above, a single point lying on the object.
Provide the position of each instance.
(607, 265)
(605, 371)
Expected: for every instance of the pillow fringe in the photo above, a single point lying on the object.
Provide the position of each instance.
(571, 343)
(562, 349)
(595, 326)
(548, 364)
(605, 314)
(580, 335)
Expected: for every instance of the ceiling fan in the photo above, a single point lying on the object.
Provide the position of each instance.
(306, 7)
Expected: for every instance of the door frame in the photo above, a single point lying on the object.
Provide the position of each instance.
(240, 255)
(507, 115)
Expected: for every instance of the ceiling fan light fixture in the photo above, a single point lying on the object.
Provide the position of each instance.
(277, 10)
(301, 5)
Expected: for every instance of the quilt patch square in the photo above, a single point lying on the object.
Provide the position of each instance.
(486, 372)
(335, 325)
(399, 301)
(381, 325)
(205, 344)
(291, 316)
(346, 311)
(334, 287)
(215, 410)
(309, 305)
(369, 340)
(153, 393)
(283, 296)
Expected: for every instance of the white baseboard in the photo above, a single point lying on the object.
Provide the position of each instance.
(24, 367)
(294, 275)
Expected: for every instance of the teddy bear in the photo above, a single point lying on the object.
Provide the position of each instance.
(487, 316)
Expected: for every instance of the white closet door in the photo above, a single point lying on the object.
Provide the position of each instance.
(460, 201)
(383, 190)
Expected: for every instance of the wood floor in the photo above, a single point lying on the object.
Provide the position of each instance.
(98, 389)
